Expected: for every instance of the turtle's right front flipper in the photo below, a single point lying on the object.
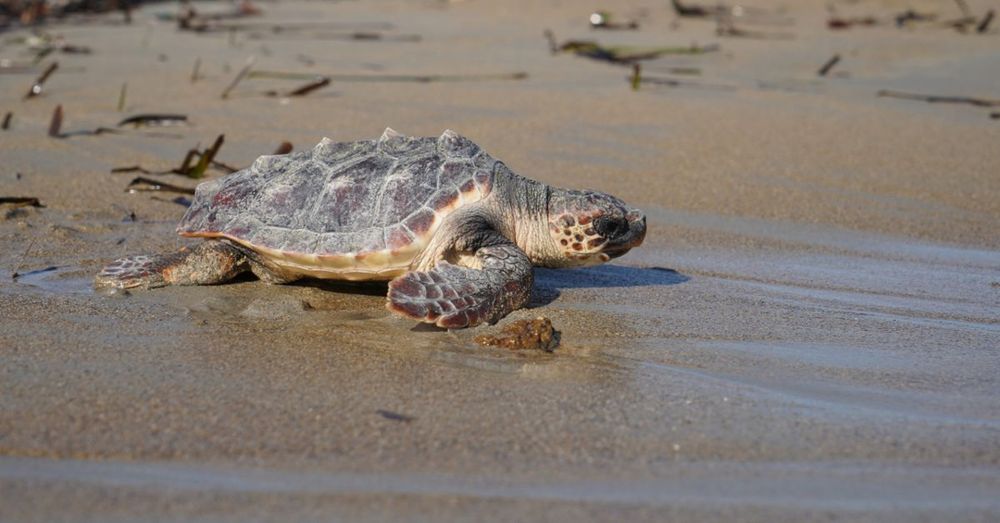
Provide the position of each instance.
(454, 297)
(212, 262)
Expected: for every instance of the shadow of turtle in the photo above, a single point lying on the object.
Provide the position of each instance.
(548, 282)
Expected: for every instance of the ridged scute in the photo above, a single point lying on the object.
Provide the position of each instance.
(374, 200)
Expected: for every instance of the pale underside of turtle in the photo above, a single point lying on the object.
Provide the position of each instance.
(455, 230)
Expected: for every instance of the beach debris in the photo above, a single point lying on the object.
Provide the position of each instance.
(195, 70)
(624, 54)
(180, 200)
(694, 11)
(142, 184)
(154, 119)
(55, 127)
(355, 36)
(55, 124)
(189, 19)
(6, 120)
(603, 20)
(426, 78)
(318, 83)
(239, 77)
(121, 97)
(21, 201)
(978, 102)
(995, 116)
(985, 24)
(394, 416)
(828, 65)
(636, 79)
(15, 274)
(284, 148)
(36, 87)
(14, 205)
(536, 334)
(846, 23)
(206, 158)
(910, 16)
(726, 27)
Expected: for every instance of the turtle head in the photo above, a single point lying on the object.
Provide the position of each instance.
(591, 227)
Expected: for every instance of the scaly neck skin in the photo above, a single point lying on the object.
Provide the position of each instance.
(520, 206)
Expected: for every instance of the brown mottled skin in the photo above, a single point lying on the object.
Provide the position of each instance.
(455, 230)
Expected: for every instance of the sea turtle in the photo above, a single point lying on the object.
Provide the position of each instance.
(454, 231)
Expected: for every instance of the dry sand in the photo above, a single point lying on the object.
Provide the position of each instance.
(810, 332)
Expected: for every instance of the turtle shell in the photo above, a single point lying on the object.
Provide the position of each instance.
(352, 210)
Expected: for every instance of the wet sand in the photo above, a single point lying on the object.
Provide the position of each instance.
(810, 331)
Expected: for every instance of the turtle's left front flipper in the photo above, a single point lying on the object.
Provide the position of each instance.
(453, 296)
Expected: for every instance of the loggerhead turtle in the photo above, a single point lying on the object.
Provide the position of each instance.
(455, 230)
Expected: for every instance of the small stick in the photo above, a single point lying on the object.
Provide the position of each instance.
(6, 120)
(56, 123)
(195, 69)
(636, 76)
(239, 77)
(282, 75)
(828, 65)
(206, 158)
(20, 263)
(21, 201)
(985, 24)
(978, 102)
(310, 87)
(150, 119)
(121, 97)
(36, 88)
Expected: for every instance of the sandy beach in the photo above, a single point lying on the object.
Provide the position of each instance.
(810, 332)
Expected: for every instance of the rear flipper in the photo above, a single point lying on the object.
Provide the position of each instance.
(454, 297)
(211, 262)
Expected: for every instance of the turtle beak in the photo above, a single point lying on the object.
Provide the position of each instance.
(632, 238)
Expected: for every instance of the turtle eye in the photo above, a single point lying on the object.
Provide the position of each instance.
(610, 227)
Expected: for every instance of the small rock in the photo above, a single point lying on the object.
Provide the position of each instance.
(536, 334)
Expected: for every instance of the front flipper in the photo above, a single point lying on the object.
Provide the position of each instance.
(211, 262)
(453, 297)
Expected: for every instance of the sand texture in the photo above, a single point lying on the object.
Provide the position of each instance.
(811, 331)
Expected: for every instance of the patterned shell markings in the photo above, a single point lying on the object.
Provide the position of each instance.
(344, 210)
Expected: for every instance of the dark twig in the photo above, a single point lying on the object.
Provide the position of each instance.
(394, 416)
(21, 201)
(319, 83)
(55, 125)
(199, 169)
(985, 24)
(281, 75)
(828, 65)
(153, 119)
(36, 88)
(978, 102)
(6, 120)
